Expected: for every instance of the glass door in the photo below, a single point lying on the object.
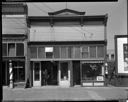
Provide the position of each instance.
(36, 74)
(64, 74)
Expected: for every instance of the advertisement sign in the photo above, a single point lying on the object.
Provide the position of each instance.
(48, 49)
(122, 55)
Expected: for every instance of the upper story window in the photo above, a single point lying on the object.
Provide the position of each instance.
(4, 49)
(85, 52)
(92, 51)
(64, 52)
(100, 51)
(11, 49)
(19, 49)
(56, 52)
(33, 52)
(41, 52)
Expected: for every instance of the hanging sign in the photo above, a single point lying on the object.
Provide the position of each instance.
(48, 49)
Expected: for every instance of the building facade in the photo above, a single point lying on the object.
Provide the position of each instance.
(14, 42)
(70, 46)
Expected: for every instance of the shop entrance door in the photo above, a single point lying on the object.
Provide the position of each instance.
(64, 74)
(36, 74)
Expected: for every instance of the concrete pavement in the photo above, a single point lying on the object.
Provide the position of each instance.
(48, 93)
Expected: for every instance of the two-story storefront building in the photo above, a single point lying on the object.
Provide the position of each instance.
(70, 45)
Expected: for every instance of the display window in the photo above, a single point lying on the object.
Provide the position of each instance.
(92, 71)
(18, 71)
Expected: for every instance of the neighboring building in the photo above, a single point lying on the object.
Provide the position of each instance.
(14, 41)
(70, 45)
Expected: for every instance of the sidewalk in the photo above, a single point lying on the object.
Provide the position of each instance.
(49, 93)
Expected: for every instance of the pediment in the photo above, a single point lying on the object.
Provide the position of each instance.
(66, 12)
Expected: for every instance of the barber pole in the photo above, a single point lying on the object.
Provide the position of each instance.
(11, 74)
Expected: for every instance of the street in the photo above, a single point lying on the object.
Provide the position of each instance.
(54, 93)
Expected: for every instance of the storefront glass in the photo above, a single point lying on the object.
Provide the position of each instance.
(19, 71)
(91, 71)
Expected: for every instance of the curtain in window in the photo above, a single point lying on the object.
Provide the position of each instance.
(11, 50)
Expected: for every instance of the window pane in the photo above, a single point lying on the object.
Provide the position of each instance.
(70, 51)
(11, 50)
(93, 51)
(100, 51)
(64, 53)
(85, 49)
(4, 49)
(85, 52)
(49, 54)
(36, 71)
(56, 52)
(77, 52)
(33, 52)
(41, 52)
(19, 49)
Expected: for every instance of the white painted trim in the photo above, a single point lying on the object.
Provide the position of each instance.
(13, 15)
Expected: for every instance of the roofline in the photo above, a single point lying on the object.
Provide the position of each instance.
(47, 17)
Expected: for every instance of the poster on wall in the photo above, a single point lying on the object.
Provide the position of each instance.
(122, 55)
(125, 47)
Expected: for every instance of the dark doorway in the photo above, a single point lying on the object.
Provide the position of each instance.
(52, 71)
(4, 73)
(76, 72)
